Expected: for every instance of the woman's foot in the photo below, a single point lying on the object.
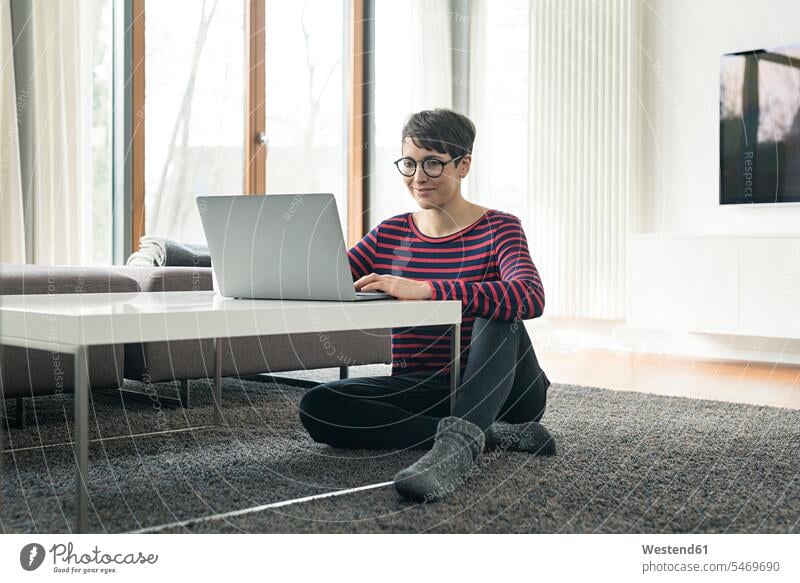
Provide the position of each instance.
(446, 466)
(530, 437)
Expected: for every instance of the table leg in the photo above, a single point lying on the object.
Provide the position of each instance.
(19, 418)
(185, 394)
(455, 360)
(2, 447)
(81, 400)
(218, 381)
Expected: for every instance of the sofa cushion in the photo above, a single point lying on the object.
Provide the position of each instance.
(62, 279)
(26, 373)
(159, 279)
(191, 359)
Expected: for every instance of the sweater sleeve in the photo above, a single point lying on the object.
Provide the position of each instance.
(517, 295)
(362, 254)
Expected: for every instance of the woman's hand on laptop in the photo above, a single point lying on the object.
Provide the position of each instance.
(400, 287)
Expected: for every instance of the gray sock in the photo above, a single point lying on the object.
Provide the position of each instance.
(442, 469)
(530, 437)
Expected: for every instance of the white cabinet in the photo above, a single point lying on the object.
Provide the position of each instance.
(769, 287)
(748, 285)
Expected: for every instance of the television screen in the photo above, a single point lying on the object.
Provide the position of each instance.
(759, 126)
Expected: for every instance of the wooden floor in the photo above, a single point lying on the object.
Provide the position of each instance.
(740, 382)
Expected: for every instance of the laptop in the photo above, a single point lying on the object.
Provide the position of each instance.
(279, 246)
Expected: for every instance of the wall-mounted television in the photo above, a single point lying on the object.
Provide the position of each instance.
(759, 127)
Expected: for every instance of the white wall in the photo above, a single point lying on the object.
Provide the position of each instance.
(681, 42)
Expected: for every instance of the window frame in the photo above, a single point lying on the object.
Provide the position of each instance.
(255, 150)
(359, 54)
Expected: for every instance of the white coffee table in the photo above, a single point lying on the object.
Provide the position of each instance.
(69, 323)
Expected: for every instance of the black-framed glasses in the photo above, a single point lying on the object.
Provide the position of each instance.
(433, 167)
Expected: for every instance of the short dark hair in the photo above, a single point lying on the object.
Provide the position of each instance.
(441, 130)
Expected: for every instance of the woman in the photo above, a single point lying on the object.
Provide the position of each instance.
(450, 249)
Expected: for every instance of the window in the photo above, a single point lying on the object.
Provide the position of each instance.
(95, 245)
(194, 104)
(305, 98)
(196, 107)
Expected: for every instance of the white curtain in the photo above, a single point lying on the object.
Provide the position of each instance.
(61, 142)
(12, 234)
(54, 104)
(413, 71)
(498, 105)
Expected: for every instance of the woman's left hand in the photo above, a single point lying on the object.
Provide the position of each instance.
(400, 287)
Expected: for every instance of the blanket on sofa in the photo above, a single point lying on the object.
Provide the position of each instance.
(163, 251)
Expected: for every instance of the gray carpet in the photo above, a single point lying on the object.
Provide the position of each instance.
(627, 462)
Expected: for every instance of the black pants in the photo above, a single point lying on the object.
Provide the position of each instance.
(502, 381)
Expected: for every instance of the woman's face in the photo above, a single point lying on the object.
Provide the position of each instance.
(434, 192)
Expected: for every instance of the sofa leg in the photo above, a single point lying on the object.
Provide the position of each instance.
(184, 394)
(19, 419)
(343, 372)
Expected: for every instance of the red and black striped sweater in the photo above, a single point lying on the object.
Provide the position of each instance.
(485, 265)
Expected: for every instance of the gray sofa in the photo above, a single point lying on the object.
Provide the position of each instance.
(27, 373)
